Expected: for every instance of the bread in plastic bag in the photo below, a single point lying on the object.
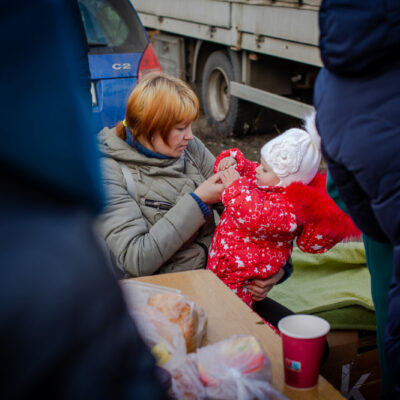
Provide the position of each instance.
(137, 292)
(164, 338)
(182, 311)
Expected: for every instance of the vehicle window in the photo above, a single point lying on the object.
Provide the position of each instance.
(112, 26)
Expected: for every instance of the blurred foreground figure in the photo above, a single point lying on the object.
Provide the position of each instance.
(357, 97)
(65, 332)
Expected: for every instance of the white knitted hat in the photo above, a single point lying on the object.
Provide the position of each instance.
(295, 155)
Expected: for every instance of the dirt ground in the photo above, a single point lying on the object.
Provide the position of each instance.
(249, 144)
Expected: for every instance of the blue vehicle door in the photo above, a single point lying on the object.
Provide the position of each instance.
(118, 49)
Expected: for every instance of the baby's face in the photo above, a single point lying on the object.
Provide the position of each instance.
(265, 176)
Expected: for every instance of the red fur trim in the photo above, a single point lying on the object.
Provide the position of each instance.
(314, 206)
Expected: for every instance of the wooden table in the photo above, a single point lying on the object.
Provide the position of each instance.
(228, 315)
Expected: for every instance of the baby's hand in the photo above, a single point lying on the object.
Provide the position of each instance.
(229, 176)
(225, 163)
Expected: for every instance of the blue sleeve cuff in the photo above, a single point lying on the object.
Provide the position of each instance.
(203, 206)
(288, 271)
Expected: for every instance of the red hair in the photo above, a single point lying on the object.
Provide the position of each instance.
(157, 104)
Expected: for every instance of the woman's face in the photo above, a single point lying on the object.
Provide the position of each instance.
(177, 140)
(265, 176)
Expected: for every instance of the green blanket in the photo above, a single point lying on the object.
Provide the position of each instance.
(335, 285)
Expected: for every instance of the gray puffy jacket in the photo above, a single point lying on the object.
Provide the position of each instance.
(145, 239)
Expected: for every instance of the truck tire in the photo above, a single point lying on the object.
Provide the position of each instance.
(227, 114)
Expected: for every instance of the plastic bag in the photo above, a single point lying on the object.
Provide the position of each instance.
(164, 338)
(177, 308)
(232, 369)
(136, 292)
(186, 383)
(236, 368)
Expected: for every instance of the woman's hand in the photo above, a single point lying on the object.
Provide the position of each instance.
(259, 288)
(211, 189)
(229, 176)
(225, 163)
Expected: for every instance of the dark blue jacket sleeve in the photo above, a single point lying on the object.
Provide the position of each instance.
(359, 127)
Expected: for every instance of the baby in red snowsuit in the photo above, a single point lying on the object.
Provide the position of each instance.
(270, 205)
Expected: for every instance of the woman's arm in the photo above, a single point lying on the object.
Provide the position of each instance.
(205, 160)
(140, 249)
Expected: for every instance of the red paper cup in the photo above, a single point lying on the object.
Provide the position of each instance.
(303, 340)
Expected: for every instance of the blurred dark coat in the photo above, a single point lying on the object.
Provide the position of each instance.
(65, 331)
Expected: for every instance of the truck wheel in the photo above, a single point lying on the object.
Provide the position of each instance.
(226, 113)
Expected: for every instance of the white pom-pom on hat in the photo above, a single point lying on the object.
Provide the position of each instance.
(295, 155)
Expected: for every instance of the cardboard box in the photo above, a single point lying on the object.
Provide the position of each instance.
(352, 366)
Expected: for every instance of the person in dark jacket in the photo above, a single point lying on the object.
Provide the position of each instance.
(65, 331)
(357, 98)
